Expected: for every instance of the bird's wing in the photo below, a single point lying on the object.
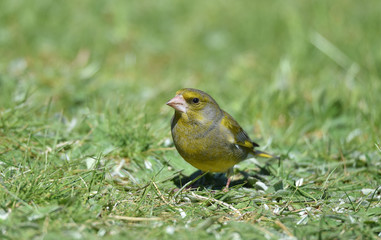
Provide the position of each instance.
(240, 136)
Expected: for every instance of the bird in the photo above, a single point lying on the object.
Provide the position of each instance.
(206, 136)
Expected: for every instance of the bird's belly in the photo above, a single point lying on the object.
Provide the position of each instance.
(210, 156)
(212, 165)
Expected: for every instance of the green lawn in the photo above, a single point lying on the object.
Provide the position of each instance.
(85, 145)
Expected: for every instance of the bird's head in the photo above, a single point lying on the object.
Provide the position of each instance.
(195, 104)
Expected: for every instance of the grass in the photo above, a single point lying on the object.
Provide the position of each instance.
(85, 146)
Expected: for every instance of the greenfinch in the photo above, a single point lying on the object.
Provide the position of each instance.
(206, 136)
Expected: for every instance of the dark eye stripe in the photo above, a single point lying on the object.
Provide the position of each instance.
(195, 100)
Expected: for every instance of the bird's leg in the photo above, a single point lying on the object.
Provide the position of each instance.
(229, 175)
(226, 188)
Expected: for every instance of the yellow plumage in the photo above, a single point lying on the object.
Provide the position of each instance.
(206, 136)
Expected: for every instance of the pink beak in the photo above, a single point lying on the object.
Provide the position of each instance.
(178, 103)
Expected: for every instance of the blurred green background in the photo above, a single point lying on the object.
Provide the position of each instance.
(302, 77)
(273, 61)
(77, 50)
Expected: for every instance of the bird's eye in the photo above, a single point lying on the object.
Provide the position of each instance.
(195, 100)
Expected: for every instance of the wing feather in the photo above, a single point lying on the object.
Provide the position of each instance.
(240, 136)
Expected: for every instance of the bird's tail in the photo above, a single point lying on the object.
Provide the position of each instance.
(264, 154)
